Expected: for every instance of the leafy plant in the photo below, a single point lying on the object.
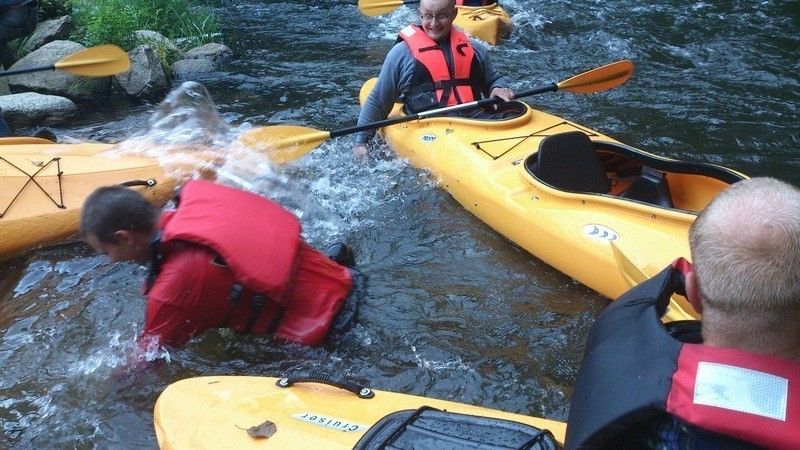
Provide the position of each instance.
(114, 21)
(50, 9)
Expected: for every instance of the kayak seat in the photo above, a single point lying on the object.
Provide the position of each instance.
(569, 161)
(433, 429)
(650, 187)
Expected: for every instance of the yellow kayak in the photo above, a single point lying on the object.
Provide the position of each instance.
(235, 412)
(488, 23)
(43, 186)
(604, 213)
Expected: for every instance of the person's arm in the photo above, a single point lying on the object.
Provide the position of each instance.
(394, 77)
(169, 318)
(497, 84)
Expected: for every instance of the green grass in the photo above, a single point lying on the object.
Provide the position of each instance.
(114, 21)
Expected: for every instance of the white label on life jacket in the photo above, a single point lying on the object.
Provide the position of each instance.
(329, 422)
(741, 389)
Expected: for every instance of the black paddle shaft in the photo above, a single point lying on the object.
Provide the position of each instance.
(439, 111)
(29, 70)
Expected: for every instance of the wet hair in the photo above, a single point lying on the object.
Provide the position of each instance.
(113, 208)
(745, 248)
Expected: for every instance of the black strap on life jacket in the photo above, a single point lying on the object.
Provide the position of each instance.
(257, 303)
(156, 258)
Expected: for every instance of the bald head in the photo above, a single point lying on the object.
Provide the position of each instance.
(746, 252)
(437, 5)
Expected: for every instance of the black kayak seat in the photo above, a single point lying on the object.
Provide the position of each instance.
(650, 187)
(430, 428)
(568, 161)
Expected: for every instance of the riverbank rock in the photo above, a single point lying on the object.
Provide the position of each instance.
(48, 31)
(157, 40)
(4, 89)
(216, 53)
(58, 82)
(188, 69)
(30, 109)
(146, 78)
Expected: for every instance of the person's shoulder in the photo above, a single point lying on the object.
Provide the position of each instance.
(400, 48)
(479, 46)
(182, 261)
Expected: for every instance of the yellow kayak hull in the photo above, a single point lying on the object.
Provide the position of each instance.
(215, 413)
(488, 23)
(43, 186)
(482, 164)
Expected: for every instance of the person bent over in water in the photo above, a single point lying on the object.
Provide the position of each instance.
(432, 65)
(733, 381)
(224, 258)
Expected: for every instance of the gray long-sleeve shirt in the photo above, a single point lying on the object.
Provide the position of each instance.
(396, 75)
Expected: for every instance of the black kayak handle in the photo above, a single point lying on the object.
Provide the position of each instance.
(361, 391)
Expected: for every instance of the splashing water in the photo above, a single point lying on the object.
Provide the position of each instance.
(190, 139)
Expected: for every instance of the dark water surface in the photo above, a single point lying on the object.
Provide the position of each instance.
(454, 310)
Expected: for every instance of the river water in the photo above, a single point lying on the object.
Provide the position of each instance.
(453, 309)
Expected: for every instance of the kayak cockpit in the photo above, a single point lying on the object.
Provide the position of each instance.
(573, 163)
(428, 427)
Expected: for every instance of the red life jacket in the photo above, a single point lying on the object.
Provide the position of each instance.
(635, 370)
(433, 85)
(297, 290)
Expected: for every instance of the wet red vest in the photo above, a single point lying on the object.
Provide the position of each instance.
(634, 369)
(259, 241)
(432, 74)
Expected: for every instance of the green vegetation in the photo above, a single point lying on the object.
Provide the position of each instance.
(114, 21)
(49, 9)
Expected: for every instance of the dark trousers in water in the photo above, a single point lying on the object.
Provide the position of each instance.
(347, 316)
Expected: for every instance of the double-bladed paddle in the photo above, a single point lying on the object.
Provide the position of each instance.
(285, 143)
(99, 61)
(374, 8)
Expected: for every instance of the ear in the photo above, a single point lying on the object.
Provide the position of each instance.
(693, 290)
(123, 236)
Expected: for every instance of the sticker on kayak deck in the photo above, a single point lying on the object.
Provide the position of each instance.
(600, 232)
(428, 138)
(329, 422)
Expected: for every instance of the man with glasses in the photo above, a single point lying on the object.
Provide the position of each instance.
(432, 65)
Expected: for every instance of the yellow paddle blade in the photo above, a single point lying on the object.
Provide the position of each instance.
(679, 308)
(599, 79)
(374, 8)
(283, 143)
(99, 61)
(630, 271)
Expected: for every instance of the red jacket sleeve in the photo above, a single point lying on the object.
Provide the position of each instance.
(171, 314)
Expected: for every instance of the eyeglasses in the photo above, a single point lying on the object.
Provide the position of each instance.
(439, 16)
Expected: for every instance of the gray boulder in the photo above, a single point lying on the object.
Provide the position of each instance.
(57, 82)
(157, 40)
(146, 79)
(217, 53)
(4, 90)
(48, 31)
(188, 69)
(30, 109)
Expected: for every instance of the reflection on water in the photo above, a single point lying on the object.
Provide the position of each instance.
(453, 309)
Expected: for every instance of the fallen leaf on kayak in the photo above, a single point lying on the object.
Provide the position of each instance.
(265, 430)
